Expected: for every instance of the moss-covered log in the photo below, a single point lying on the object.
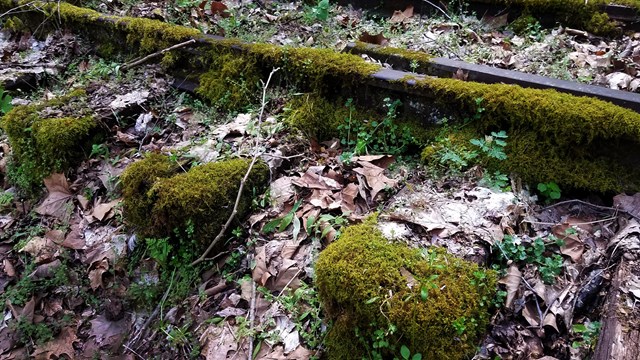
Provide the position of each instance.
(42, 144)
(157, 202)
(437, 304)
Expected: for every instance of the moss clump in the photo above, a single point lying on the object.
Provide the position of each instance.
(366, 283)
(416, 61)
(152, 35)
(231, 82)
(41, 144)
(137, 179)
(319, 118)
(579, 142)
(599, 23)
(312, 67)
(204, 196)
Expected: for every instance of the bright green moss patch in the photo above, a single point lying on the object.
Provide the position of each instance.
(137, 180)
(42, 144)
(578, 142)
(231, 82)
(367, 283)
(152, 35)
(419, 60)
(157, 203)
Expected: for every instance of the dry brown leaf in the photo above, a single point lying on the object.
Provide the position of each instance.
(41, 248)
(376, 180)
(26, 313)
(9, 269)
(107, 332)
(630, 204)
(348, 196)
(217, 342)
(402, 17)
(460, 75)
(95, 275)
(378, 39)
(75, 238)
(260, 273)
(56, 202)
(281, 191)
(287, 276)
(495, 22)
(104, 211)
(311, 179)
(61, 345)
(512, 281)
(411, 281)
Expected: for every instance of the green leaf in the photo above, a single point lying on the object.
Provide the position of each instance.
(310, 222)
(424, 293)
(271, 226)
(417, 356)
(372, 300)
(5, 101)
(405, 352)
(542, 187)
(579, 328)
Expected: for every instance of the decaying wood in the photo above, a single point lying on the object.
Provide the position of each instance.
(619, 337)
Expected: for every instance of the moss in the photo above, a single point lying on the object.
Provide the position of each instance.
(137, 179)
(203, 196)
(152, 35)
(312, 67)
(367, 283)
(578, 142)
(599, 23)
(14, 24)
(382, 53)
(231, 82)
(523, 23)
(41, 144)
(317, 117)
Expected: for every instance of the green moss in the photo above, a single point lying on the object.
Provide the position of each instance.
(599, 23)
(153, 35)
(317, 117)
(14, 24)
(231, 82)
(42, 145)
(579, 142)
(523, 23)
(420, 58)
(137, 179)
(312, 67)
(364, 283)
(203, 196)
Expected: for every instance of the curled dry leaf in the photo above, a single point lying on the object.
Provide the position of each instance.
(378, 39)
(512, 281)
(55, 204)
(61, 345)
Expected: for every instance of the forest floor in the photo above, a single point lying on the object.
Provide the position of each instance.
(76, 282)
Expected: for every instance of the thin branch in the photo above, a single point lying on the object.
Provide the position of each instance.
(252, 317)
(439, 8)
(256, 155)
(134, 63)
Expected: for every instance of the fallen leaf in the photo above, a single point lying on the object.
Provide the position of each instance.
(217, 342)
(57, 201)
(402, 17)
(104, 211)
(512, 281)
(41, 248)
(312, 180)
(378, 39)
(460, 75)
(61, 345)
(107, 332)
(628, 203)
(95, 275)
(376, 180)
(218, 8)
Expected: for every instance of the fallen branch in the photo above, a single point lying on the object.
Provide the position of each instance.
(137, 62)
(254, 159)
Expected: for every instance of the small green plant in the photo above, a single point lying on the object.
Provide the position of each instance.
(99, 150)
(374, 137)
(159, 250)
(550, 191)
(323, 225)
(319, 12)
(493, 145)
(413, 65)
(6, 199)
(497, 180)
(406, 354)
(537, 252)
(5, 101)
(281, 224)
(588, 332)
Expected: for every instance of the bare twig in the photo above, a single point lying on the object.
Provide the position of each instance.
(439, 9)
(137, 62)
(254, 159)
(252, 317)
(594, 206)
(146, 324)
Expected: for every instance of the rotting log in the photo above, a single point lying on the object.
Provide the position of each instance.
(619, 337)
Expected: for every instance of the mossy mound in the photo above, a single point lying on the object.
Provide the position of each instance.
(366, 283)
(157, 203)
(137, 179)
(578, 142)
(319, 118)
(42, 144)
